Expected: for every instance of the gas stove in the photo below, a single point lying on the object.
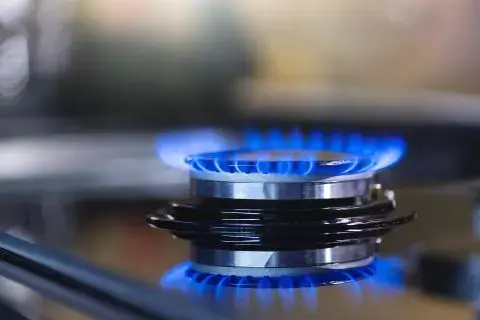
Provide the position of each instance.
(293, 222)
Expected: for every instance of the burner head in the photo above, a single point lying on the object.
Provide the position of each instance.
(279, 175)
(286, 207)
(294, 166)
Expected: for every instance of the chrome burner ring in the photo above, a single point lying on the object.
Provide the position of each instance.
(281, 263)
(280, 190)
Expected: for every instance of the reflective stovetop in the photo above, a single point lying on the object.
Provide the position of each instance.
(113, 235)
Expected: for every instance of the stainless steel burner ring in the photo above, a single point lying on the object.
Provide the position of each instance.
(278, 263)
(280, 190)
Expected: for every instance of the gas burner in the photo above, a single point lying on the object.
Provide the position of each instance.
(276, 212)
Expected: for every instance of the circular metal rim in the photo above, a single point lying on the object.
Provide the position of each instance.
(279, 272)
(243, 177)
(284, 259)
(280, 190)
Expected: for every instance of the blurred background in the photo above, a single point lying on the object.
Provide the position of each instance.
(88, 86)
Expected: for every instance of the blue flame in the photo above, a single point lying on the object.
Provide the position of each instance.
(301, 154)
(209, 150)
(321, 279)
(383, 273)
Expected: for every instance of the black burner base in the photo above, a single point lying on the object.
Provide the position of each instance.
(263, 225)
